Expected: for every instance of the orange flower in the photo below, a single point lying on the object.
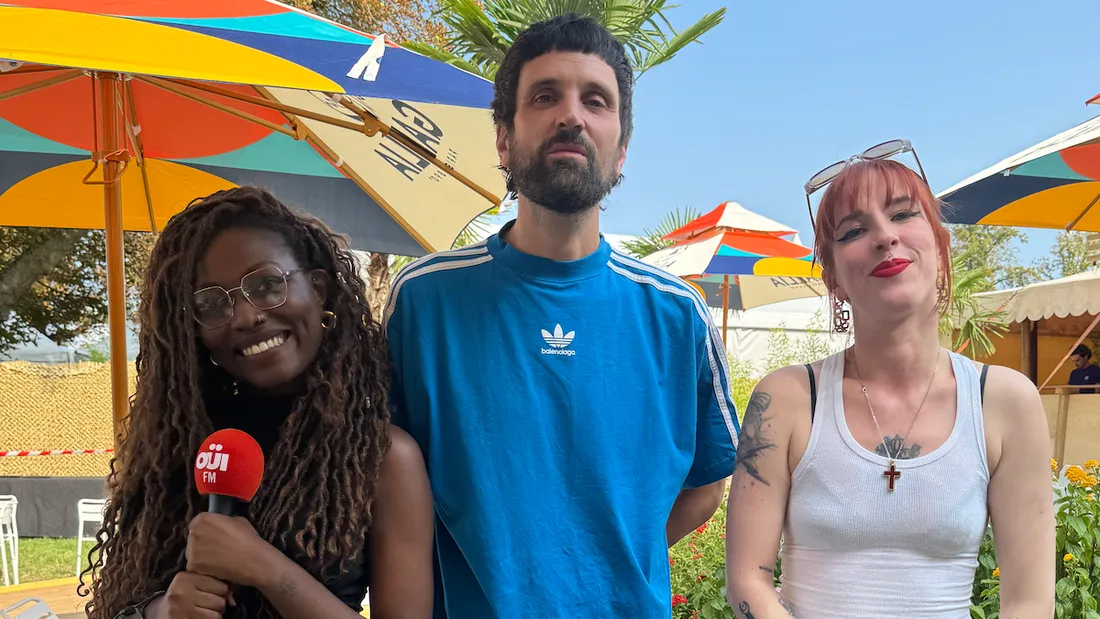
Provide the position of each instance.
(997, 572)
(1053, 465)
(1075, 474)
(1091, 464)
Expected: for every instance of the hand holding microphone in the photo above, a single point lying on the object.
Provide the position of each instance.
(221, 547)
(220, 543)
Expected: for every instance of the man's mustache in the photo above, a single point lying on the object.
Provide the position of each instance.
(568, 136)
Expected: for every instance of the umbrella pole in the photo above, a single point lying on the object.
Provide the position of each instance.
(112, 114)
(725, 307)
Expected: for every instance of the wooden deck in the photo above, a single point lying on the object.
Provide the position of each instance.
(59, 595)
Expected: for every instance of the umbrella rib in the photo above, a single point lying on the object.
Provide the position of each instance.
(173, 87)
(139, 149)
(370, 126)
(274, 105)
(1083, 213)
(46, 83)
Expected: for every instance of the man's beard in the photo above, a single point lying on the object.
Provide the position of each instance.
(566, 186)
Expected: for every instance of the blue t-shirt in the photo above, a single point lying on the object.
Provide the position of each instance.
(561, 407)
(1088, 375)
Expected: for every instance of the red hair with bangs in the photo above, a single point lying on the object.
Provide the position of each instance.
(852, 184)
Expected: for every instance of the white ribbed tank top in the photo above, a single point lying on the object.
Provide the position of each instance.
(851, 549)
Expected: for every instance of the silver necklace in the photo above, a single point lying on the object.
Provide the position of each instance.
(892, 474)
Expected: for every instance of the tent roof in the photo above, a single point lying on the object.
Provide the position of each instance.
(1067, 296)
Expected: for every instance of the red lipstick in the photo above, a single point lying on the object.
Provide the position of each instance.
(890, 268)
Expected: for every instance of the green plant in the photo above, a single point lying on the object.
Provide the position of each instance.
(697, 566)
(975, 323)
(1077, 570)
(479, 32)
(653, 241)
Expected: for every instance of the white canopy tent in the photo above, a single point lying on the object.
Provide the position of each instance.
(1047, 321)
(1075, 295)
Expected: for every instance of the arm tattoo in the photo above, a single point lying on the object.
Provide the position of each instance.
(897, 448)
(752, 442)
(764, 568)
(744, 608)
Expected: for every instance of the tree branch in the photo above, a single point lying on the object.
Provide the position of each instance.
(34, 264)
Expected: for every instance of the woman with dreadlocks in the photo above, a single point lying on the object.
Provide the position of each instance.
(253, 318)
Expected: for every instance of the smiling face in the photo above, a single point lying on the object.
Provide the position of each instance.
(268, 349)
(884, 253)
(564, 150)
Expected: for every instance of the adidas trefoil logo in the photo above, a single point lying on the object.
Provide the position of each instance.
(559, 342)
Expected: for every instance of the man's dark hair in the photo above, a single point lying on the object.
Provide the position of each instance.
(564, 33)
(1083, 351)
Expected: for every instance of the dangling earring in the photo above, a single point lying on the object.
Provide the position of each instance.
(236, 389)
(328, 320)
(841, 316)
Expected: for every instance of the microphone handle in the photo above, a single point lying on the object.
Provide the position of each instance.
(225, 505)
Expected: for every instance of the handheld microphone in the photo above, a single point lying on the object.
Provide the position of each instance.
(228, 470)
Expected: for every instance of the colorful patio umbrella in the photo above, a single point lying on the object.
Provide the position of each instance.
(766, 268)
(730, 216)
(1054, 184)
(172, 100)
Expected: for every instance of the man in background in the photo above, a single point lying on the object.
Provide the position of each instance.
(1086, 372)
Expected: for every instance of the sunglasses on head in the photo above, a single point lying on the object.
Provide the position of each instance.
(879, 151)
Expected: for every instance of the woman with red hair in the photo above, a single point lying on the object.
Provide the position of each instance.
(879, 467)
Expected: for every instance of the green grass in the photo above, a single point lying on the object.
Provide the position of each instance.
(48, 558)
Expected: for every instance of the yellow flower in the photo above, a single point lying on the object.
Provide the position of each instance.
(1053, 465)
(1069, 557)
(1075, 474)
(1089, 481)
(996, 572)
(1092, 464)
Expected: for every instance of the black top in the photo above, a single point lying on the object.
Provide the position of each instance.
(262, 417)
(1088, 375)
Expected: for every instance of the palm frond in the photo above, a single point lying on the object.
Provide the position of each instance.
(975, 323)
(478, 37)
(689, 35)
(653, 241)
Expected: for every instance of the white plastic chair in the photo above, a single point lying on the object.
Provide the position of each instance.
(88, 511)
(37, 610)
(9, 537)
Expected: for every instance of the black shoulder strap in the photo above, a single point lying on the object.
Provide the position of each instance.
(813, 391)
(985, 370)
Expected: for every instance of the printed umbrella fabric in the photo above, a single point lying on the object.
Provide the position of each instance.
(730, 216)
(767, 268)
(202, 81)
(1054, 184)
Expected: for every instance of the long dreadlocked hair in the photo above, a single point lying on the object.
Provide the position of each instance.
(318, 487)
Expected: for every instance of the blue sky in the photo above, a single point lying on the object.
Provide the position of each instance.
(781, 89)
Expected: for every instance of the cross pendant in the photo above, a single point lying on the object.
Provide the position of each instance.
(891, 475)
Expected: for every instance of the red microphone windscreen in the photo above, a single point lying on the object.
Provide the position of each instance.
(230, 463)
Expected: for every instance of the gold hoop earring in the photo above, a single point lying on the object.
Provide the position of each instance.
(328, 320)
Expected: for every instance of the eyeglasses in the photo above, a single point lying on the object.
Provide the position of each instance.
(880, 151)
(264, 289)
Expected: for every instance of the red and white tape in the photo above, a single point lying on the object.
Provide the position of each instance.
(53, 452)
